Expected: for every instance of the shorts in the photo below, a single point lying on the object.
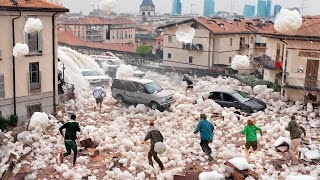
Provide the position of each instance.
(253, 144)
(99, 100)
(190, 87)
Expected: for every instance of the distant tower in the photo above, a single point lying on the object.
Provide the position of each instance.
(176, 7)
(249, 10)
(147, 8)
(276, 10)
(208, 8)
(268, 10)
(262, 9)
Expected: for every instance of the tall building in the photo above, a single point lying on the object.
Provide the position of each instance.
(262, 8)
(276, 10)
(176, 7)
(249, 10)
(268, 8)
(147, 8)
(208, 9)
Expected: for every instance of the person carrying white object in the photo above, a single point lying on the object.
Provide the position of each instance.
(99, 93)
(295, 133)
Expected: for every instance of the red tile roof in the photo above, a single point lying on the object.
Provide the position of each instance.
(32, 4)
(99, 21)
(67, 38)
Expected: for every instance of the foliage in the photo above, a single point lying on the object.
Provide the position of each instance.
(252, 81)
(3, 124)
(144, 50)
(11, 121)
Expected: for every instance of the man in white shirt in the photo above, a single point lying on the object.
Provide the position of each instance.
(99, 93)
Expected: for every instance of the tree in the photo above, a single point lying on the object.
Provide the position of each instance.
(144, 51)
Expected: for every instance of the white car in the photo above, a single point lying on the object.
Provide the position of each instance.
(95, 77)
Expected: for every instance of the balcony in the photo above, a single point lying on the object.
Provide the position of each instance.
(302, 83)
(261, 45)
(244, 46)
(192, 47)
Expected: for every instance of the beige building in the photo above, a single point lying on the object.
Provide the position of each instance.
(110, 31)
(28, 84)
(216, 41)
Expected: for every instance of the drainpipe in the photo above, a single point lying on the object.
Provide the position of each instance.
(209, 51)
(284, 76)
(13, 60)
(54, 62)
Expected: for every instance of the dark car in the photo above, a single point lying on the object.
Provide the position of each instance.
(228, 97)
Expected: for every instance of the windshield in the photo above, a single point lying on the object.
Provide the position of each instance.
(152, 87)
(241, 96)
(91, 73)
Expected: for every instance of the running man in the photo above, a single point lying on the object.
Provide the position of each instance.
(99, 93)
(189, 84)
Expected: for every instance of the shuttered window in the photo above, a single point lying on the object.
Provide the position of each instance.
(34, 41)
(34, 108)
(2, 90)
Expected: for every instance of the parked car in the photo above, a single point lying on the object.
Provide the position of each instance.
(141, 91)
(95, 77)
(228, 97)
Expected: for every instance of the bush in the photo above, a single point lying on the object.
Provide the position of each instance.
(12, 121)
(3, 124)
(252, 81)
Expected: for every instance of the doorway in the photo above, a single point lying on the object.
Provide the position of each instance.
(312, 73)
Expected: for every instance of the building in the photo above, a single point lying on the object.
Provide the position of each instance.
(276, 10)
(208, 8)
(249, 10)
(216, 42)
(147, 8)
(28, 84)
(268, 9)
(176, 7)
(111, 31)
(299, 55)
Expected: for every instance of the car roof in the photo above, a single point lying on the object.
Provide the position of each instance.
(224, 90)
(142, 81)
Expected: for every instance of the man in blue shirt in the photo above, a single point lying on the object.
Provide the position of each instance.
(206, 133)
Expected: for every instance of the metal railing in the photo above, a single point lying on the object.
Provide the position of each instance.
(302, 82)
(261, 45)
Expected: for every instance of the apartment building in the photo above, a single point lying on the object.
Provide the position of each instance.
(101, 30)
(28, 84)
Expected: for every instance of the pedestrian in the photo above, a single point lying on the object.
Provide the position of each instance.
(99, 93)
(70, 137)
(250, 131)
(189, 84)
(155, 136)
(295, 133)
(206, 134)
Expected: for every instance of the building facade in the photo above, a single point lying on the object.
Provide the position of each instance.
(176, 7)
(28, 84)
(208, 8)
(276, 10)
(147, 8)
(249, 10)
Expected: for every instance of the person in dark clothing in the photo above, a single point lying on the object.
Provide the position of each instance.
(155, 136)
(60, 83)
(70, 138)
(206, 133)
(189, 83)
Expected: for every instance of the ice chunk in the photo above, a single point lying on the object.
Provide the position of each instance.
(288, 21)
(108, 5)
(38, 120)
(312, 154)
(240, 62)
(213, 175)
(281, 140)
(159, 148)
(125, 71)
(259, 89)
(20, 50)
(33, 25)
(299, 177)
(185, 34)
(241, 163)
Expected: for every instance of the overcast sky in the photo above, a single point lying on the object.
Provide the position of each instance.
(311, 7)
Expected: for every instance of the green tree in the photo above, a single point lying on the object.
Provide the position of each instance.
(144, 51)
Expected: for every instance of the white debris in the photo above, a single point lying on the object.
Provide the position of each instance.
(38, 120)
(281, 140)
(125, 71)
(213, 175)
(33, 25)
(312, 154)
(240, 62)
(259, 89)
(159, 148)
(20, 50)
(288, 21)
(108, 5)
(185, 34)
(241, 163)
(299, 177)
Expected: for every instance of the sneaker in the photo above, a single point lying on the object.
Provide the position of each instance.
(61, 157)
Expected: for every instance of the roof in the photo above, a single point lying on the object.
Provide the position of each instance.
(146, 36)
(142, 81)
(99, 21)
(147, 3)
(32, 5)
(224, 89)
(67, 38)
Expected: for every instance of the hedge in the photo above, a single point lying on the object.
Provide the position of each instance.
(252, 81)
(12, 121)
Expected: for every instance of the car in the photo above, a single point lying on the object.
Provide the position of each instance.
(95, 77)
(228, 97)
(141, 91)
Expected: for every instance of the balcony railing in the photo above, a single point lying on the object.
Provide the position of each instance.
(192, 47)
(303, 83)
(261, 45)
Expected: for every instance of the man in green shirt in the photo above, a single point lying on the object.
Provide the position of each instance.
(70, 138)
(251, 137)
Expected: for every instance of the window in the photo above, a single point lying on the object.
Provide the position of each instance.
(34, 75)
(230, 42)
(190, 59)
(34, 42)
(279, 53)
(34, 108)
(169, 55)
(228, 98)
(2, 93)
(215, 96)
(251, 40)
(230, 60)
(170, 39)
(0, 54)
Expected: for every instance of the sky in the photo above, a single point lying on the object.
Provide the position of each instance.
(311, 7)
